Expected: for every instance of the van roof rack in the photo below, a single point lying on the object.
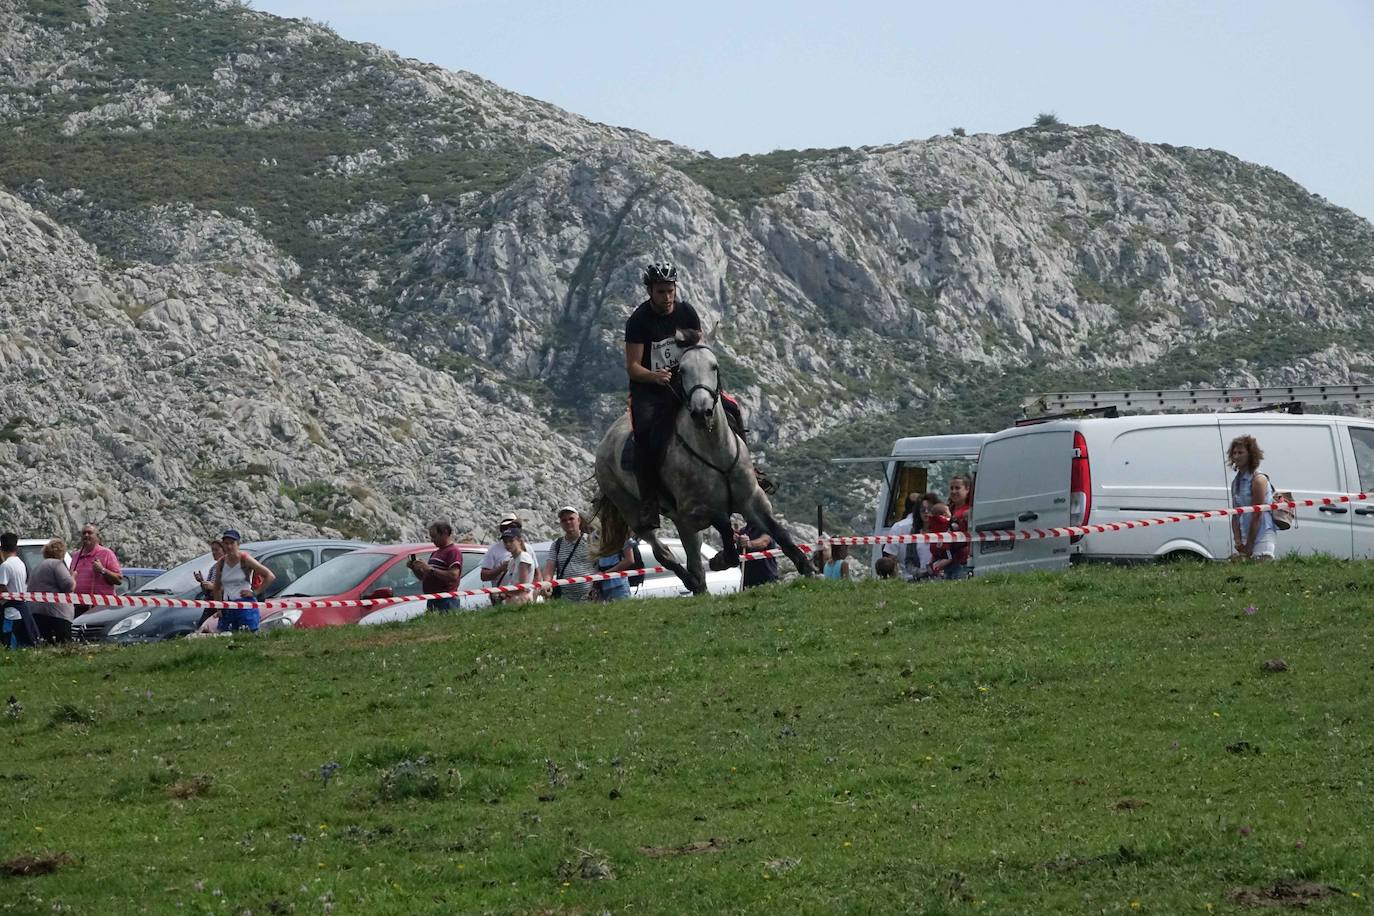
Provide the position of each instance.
(1198, 399)
(1109, 411)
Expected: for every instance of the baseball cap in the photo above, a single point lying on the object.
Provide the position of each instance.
(572, 509)
(512, 531)
(230, 534)
(510, 518)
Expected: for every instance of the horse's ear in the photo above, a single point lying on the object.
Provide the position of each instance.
(709, 337)
(688, 337)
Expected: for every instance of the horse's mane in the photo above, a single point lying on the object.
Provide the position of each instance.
(688, 337)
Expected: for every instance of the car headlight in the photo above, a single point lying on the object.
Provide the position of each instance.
(281, 619)
(132, 622)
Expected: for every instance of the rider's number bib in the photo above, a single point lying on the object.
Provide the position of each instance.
(664, 354)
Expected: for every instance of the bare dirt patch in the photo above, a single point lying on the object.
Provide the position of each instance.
(1129, 804)
(1285, 893)
(195, 787)
(27, 865)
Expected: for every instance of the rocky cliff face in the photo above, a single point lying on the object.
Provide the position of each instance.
(167, 402)
(488, 245)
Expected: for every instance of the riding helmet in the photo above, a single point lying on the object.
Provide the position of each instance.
(660, 272)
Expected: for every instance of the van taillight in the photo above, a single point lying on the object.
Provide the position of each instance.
(1080, 486)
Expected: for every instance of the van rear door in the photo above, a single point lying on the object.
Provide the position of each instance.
(1023, 484)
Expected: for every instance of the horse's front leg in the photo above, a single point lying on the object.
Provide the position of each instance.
(691, 545)
(695, 583)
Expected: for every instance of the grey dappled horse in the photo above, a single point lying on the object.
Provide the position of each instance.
(707, 472)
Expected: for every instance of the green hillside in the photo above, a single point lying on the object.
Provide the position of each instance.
(1101, 741)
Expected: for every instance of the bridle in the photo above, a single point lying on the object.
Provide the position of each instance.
(686, 396)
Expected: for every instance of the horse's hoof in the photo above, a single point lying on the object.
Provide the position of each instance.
(722, 561)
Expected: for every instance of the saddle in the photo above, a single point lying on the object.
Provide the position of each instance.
(628, 454)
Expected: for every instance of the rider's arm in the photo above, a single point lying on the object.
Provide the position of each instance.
(634, 352)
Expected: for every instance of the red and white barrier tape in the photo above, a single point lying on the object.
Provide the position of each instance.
(281, 604)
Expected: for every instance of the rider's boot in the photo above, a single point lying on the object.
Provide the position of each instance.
(765, 484)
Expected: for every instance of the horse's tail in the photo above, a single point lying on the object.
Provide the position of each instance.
(615, 531)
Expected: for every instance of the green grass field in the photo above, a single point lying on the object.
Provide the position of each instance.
(1106, 740)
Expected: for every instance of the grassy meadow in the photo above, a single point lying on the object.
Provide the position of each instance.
(1106, 740)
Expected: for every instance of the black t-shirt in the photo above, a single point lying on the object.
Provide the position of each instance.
(656, 332)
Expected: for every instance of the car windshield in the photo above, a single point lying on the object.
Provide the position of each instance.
(32, 555)
(180, 580)
(339, 575)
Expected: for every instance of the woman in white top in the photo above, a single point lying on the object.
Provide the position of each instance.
(239, 577)
(520, 570)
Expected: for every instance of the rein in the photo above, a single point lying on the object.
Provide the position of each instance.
(723, 472)
(685, 397)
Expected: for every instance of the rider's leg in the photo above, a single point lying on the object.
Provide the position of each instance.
(735, 415)
(651, 420)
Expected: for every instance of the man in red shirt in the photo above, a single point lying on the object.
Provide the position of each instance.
(444, 569)
(95, 567)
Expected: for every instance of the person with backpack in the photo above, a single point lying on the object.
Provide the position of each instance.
(571, 555)
(1255, 534)
(239, 577)
(619, 587)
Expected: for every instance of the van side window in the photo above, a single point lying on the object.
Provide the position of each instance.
(1363, 442)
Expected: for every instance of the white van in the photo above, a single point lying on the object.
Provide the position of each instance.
(1099, 470)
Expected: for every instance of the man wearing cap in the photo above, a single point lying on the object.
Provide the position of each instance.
(571, 555)
(239, 577)
(443, 569)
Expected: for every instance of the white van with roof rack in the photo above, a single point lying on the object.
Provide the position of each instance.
(1072, 469)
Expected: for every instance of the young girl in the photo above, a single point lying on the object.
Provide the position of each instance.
(521, 568)
(960, 502)
(1253, 534)
(839, 566)
(938, 522)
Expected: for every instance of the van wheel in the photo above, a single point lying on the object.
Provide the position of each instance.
(1182, 556)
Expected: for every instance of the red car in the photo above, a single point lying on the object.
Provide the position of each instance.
(373, 572)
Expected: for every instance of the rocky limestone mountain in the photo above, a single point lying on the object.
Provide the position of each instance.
(495, 240)
(168, 401)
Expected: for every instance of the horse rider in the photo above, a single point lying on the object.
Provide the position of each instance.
(651, 357)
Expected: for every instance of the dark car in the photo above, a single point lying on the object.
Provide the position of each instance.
(135, 577)
(288, 559)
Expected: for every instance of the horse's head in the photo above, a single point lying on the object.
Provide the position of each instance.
(699, 375)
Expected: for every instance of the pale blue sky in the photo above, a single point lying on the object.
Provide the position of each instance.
(1278, 82)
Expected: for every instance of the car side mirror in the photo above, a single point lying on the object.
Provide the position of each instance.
(382, 592)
